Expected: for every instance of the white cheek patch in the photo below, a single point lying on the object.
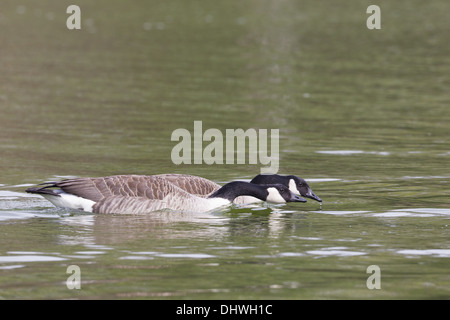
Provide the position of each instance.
(274, 196)
(293, 187)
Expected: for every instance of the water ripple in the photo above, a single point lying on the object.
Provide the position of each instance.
(442, 253)
(414, 212)
(29, 258)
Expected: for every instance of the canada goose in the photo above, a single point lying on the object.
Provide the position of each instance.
(144, 194)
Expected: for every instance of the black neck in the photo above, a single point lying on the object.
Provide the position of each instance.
(234, 189)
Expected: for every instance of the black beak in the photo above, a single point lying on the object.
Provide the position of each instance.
(311, 195)
(296, 198)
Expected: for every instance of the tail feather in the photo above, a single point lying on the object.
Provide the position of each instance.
(62, 199)
(44, 190)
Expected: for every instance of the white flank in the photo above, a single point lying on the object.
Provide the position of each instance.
(67, 200)
(246, 200)
(274, 196)
(214, 203)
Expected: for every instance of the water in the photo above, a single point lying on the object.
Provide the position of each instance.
(363, 116)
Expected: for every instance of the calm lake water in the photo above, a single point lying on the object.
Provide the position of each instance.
(363, 115)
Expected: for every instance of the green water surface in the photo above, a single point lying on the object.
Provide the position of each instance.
(363, 115)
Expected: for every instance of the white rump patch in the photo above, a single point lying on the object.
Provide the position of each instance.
(67, 200)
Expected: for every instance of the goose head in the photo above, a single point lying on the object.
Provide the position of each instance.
(276, 193)
(296, 185)
(300, 186)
